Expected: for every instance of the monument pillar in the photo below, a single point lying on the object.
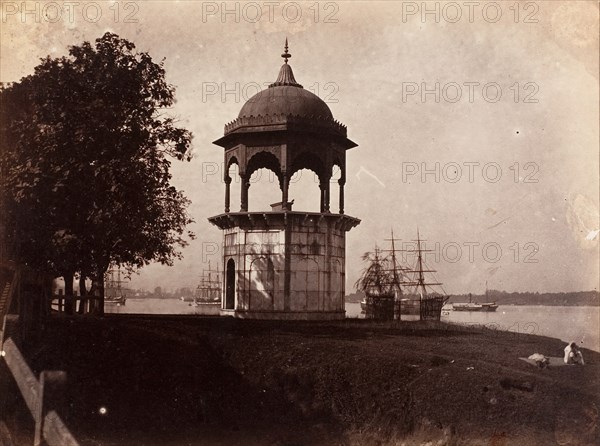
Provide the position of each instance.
(283, 264)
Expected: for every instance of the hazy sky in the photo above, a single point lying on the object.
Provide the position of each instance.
(498, 101)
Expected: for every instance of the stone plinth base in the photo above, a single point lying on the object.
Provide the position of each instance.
(284, 265)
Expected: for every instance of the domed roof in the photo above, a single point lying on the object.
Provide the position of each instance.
(286, 97)
(286, 100)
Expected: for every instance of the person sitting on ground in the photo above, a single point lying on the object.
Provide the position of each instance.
(573, 355)
(540, 360)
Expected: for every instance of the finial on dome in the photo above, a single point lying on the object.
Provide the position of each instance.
(286, 55)
(286, 75)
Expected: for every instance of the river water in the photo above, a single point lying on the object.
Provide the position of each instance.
(579, 324)
(161, 306)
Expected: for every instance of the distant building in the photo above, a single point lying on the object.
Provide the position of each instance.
(282, 264)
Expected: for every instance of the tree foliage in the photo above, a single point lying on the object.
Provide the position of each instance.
(84, 162)
(379, 277)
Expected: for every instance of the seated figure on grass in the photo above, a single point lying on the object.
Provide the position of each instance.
(573, 354)
(540, 360)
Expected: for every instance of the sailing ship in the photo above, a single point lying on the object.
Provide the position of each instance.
(378, 284)
(208, 292)
(430, 301)
(383, 280)
(474, 306)
(114, 293)
(403, 304)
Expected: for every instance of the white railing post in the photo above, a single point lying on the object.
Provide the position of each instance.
(43, 398)
(51, 398)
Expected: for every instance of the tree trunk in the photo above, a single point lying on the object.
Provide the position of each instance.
(69, 307)
(92, 295)
(97, 291)
(100, 290)
(82, 293)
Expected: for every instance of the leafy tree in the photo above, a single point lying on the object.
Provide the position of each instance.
(84, 163)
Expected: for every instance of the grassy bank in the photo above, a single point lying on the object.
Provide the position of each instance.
(185, 380)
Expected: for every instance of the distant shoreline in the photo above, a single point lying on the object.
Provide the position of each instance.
(503, 298)
(527, 304)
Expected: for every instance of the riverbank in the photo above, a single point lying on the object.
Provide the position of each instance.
(580, 324)
(572, 299)
(218, 381)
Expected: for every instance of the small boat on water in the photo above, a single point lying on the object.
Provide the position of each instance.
(116, 300)
(474, 306)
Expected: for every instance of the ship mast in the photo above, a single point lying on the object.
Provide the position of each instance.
(208, 288)
(396, 275)
(419, 282)
(113, 288)
(395, 268)
(384, 278)
(421, 279)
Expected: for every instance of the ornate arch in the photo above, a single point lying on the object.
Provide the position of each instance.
(310, 161)
(230, 161)
(340, 160)
(262, 160)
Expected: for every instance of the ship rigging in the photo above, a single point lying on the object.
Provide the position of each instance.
(392, 290)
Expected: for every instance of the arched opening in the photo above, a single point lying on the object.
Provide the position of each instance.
(308, 171)
(265, 181)
(230, 285)
(264, 190)
(233, 172)
(304, 190)
(334, 186)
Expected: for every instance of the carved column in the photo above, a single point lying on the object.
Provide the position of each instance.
(327, 188)
(341, 182)
(322, 188)
(284, 191)
(244, 195)
(227, 192)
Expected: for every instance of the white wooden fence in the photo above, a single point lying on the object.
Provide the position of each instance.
(42, 397)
